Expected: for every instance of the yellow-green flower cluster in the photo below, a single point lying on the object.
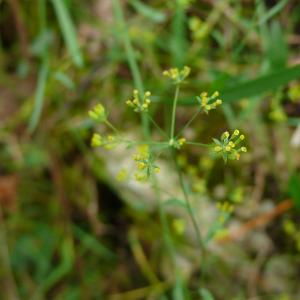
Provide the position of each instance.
(144, 163)
(208, 103)
(176, 75)
(225, 208)
(228, 146)
(96, 140)
(177, 143)
(98, 113)
(108, 142)
(198, 28)
(139, 104)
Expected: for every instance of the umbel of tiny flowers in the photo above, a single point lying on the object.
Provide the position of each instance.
(225, 207)
(208, 103)
(98, 113)
(96, 140)
(144, 163)
(225, 210)
(229, 145)
(177, 143)
(176, 75)
(139, 104)
(108, 142)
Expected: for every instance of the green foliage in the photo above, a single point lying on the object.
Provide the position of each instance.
(294, 189)
(154, 212)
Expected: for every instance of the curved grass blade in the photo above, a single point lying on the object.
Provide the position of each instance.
(39, 96)
(68, 31)
(253, 87)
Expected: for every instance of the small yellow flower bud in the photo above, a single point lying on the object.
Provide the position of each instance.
(98, 113)
(236, 132)
(141, 165)
(215, 94)
(181, 141)
(140, 177)
(96, 140)
(244, 149)
(225, 135)
(242, 137)
(218, 149)
(147, 94)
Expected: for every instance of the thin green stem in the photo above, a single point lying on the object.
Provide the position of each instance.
(198, 144)
(167, 236)
(112, 127)
(145, 121)
(190, 211)
(164, 144)
(157, 126)
(174, 111)
(188, 123)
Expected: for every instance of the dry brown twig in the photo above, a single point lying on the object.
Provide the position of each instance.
(260, 221)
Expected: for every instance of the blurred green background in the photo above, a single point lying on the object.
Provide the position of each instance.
(68, 228)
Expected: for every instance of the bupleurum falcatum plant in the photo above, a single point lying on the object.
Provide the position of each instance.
(229, 146)
(148, 151)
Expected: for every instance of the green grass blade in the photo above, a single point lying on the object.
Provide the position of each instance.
(60, 271)
(178, 43)
(278, 55)
(131, 58)
(39, 96)
(273, 11)
(262, 84)
(294, 189)
(253, 87)
(205, 294)
(68, 31)
(148, 11)
(91, 243)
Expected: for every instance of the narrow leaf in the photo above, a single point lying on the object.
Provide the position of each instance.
(205, 294)
(39, 96)
(254, 87)
(148, 11)
(68, 31)
(294, 189)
